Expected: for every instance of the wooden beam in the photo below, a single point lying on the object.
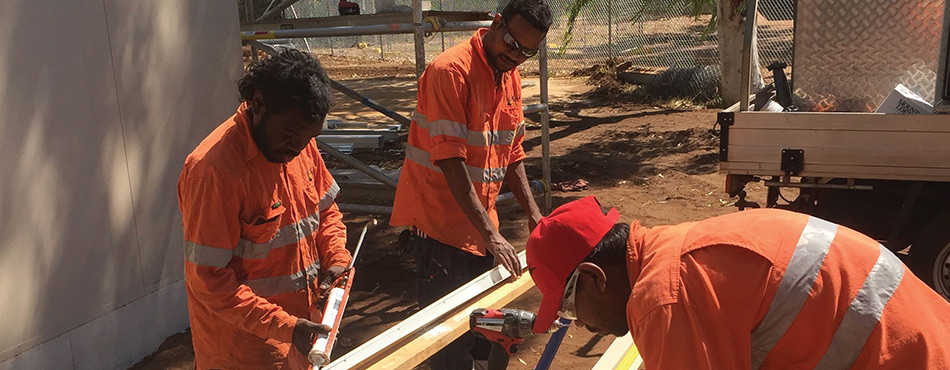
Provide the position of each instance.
(380, 346)
(427, 343)
(621, 355)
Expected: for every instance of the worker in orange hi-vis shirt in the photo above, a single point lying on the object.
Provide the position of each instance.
(262, 229)
(758, 289)
(465, 142)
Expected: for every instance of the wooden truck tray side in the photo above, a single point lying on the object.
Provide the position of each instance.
(840, 145)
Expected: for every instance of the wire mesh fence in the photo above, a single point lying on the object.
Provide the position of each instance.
(649, 33)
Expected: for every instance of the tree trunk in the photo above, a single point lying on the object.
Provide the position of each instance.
(730, 29)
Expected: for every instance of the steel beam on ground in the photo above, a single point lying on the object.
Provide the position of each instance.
(534, 108)
(388, 135)
(355, 163)
(380, 29)
(368, 209)
(425, 322)
(358, 141)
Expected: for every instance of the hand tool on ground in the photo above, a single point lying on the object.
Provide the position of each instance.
(506, 328)
(333, 311)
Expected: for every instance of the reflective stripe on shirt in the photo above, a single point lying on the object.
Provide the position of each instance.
(207, 256)
(275, 285)
(864, 313)
(481, 175)
(473, 138)
(792, 292)
(246, 249)
(859, 321)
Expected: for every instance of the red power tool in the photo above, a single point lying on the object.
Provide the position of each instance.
(507, 326)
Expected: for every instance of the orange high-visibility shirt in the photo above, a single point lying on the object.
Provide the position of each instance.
(773, 289)
(460, 113)
(257, 234)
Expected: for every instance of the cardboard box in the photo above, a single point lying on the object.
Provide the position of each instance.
(903, 101)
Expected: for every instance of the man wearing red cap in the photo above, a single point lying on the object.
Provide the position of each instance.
(759, 289)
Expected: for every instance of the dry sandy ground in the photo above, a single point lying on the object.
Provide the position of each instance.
(653, 164)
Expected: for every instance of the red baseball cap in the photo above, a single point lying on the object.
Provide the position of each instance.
(559, 243)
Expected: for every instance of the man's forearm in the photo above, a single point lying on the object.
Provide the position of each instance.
(460, 184)
(518, 183)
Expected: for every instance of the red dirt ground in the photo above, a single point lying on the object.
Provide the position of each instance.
(653, 164)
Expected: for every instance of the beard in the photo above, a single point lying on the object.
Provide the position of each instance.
(259, 134)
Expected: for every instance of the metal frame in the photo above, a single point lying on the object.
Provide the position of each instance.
(252, 33)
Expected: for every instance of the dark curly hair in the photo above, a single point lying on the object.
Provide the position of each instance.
(612, 248)
(291, 78)
(536, 12)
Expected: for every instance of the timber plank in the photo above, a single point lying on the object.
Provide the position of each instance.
(440, 335)
(378, 347)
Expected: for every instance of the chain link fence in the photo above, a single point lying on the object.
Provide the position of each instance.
(653, 36)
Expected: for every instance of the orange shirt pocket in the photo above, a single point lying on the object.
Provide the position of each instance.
(263, 225)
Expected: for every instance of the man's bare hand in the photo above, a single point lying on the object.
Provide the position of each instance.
(305, 332)
(504, 253)
(329, 277)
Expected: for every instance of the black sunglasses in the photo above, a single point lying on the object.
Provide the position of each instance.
(514, 45)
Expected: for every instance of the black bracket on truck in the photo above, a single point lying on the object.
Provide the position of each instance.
(724, 120)
(793, 160)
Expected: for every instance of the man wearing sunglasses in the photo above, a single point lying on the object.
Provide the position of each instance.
(464, 145)
(758, 289)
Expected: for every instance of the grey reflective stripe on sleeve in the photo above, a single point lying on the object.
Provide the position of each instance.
(473, 138)
(865, 312)
(288, 234)
(329, 197)
(421, 157)
(266, 287)
(489, 138)
(481, 175)
(793, 290)
(440, 126)
(207, 256)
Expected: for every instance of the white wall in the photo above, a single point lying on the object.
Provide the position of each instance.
(100, 102)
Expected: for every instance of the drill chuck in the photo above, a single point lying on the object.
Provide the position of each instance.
(506, 326)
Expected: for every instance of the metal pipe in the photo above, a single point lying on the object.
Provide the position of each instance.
(537, 188)
(276, 10)
(534, 108)
(370, 103)
(550, 349)
(362, 208)
(378, 29)
(362, 167)
(746, 80)
(419, 37)
(545, 125)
